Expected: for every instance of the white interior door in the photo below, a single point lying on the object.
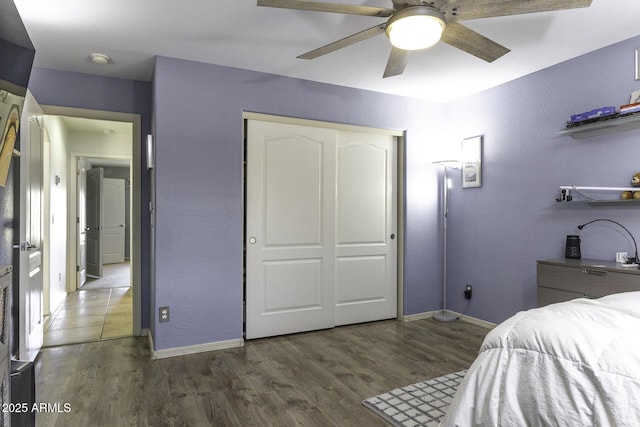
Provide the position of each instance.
(114, 220)
(81, 200)
(366, 244)
(320, 216)
(95, 218)
(30, 248)
(289, 229)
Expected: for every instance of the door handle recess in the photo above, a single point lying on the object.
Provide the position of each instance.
(594, 272)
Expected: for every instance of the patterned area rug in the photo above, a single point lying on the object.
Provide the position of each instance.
(420, 404)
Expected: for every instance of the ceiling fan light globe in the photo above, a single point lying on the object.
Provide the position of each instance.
(415, 32)
(415, 27)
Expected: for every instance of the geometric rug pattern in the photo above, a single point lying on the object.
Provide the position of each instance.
(421, 404)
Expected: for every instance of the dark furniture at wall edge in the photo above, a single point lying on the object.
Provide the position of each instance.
(566, 279)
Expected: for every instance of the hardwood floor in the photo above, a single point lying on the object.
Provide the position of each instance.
(311, 379)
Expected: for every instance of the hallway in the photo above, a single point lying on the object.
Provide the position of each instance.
(100, 310)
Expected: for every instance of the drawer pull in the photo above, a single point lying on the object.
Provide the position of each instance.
(596, 272)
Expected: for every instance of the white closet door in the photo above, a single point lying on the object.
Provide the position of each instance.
(290, 229)
(321, 225)
(366, 242)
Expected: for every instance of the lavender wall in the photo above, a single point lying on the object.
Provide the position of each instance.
(67, 89)
(199, 235)
(497, 232)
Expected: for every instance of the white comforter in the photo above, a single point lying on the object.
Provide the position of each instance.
(570, 364)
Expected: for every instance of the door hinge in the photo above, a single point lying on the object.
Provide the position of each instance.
(77, 268)
(77, 220)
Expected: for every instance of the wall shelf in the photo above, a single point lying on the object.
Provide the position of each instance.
(566, 196)
(605, 127)
(628, 202)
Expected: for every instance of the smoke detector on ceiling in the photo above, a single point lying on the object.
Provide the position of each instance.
(100, 58)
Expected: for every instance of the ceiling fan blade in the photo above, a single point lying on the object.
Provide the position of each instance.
(463, 38)
(328, 7)
(461, 10)
(347, 41)
(398, 59)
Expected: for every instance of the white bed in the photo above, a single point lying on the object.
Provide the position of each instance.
(575, 363)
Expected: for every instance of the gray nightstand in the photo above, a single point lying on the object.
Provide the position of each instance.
(565, 279)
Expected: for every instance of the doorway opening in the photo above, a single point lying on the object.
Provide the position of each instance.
(84, 304)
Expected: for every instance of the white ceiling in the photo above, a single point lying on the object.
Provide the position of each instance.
(107, 127)
(106, 162)
(238, 33)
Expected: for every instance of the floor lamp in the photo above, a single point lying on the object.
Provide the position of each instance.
(444, 315)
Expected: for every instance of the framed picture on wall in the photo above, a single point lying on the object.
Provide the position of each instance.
(471, 162)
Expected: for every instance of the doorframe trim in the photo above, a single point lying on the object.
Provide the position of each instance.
(248, 115)
(400, 138)
(72, 199)
(136, 192)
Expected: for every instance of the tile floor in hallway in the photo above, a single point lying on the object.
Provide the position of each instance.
(91, 315)
(113, 276)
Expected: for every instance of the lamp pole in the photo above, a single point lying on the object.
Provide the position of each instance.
(444, 315)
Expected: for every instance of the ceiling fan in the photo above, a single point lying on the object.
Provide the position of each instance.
(417, 24)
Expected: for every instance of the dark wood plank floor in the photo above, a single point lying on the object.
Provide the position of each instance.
(310, 379)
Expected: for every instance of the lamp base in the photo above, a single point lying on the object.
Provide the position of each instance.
(445, 316)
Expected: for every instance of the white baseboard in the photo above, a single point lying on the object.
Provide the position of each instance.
(475, 320)
(192, 349)
(464, 318)
(418, 316)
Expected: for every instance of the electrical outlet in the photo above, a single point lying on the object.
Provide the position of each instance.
(467, 292)
(164, 314)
